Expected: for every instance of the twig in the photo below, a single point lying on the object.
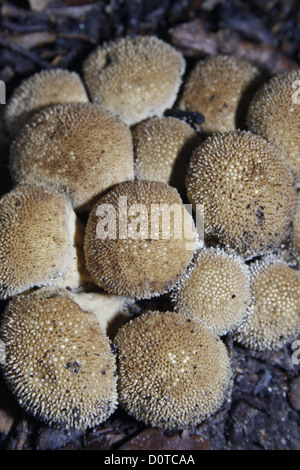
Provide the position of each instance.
(80, 37)
(32, 56)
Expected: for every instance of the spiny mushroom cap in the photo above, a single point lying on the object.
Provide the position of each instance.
(139, 239)
(214, 290)
(184, 377)
(217, 87)
(162, 148)
(37, 240)
(58, 363)
(39, 90)
(80, 148)
(275, 317)
(274, 113)
(136, 78)
(246, 190)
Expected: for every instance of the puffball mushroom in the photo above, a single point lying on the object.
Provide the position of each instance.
(218, 87)
(59, 364)
(135, 77)
(275, 303)
(39, 90)
(162, 148)
(139, 239)
(274, 113)
(184, 377)
(79, 148)
(41, 241)
(246, 190)
(214, 290)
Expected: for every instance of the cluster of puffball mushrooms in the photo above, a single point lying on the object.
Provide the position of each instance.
(123, 130)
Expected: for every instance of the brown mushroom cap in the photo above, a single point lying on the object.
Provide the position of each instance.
(183, 378)
(39, 90)
(38, 238)
(80, 148)
(136, 78)
(218, 87)
(58, 363)
(146, 255)
(214, 290)
(274, 113)
(162, 148)
(246, 189)
(275, 304)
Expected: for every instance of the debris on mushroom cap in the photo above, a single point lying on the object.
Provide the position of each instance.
(184, 377)
(162, 148)
(39, 90)
(80, 148)
(58, 362)
(275, 317)
(218, 87)
(136, 78)
(111, 310)
(215, 290)
(41, 241)
(246, 189)
(274, 113)
(139, 239)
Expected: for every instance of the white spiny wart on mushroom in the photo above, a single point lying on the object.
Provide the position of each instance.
(218, 87)
(274, 113)
(247, 191)
(136, 78)
(183, 379)
(69, 290)
(144, 263)
(275, 318)
(40, 241)
(40, 90)
(79, 148)
(215, 290)
(59, 363)
(162, 149)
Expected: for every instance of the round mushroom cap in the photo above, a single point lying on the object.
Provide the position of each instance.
(162, 147)
(274, 113)
(38, 241)
(139, 239)
(39, 90)
(245, 189)
(219, 87)
(184, 377)
(58, 364)
(215, 290)
(275, 317)
(135, 77)
(79, 148)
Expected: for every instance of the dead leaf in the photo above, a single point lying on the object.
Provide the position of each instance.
(32, 40)
(155, 439)
(39, 5)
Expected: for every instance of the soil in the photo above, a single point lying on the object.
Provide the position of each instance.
(263, 412)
